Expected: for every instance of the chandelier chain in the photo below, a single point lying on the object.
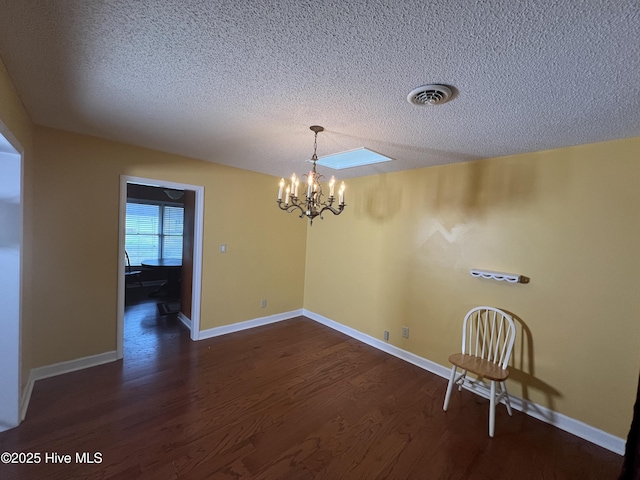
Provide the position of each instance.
(315, 148)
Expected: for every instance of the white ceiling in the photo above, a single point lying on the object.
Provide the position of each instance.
(239, 82)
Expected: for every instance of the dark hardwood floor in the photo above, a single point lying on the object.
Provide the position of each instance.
(292, 400)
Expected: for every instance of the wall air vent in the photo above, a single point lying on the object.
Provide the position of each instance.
(429, 95)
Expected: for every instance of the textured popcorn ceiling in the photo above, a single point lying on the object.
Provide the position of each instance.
(240, 82)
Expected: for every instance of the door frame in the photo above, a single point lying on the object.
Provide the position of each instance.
(13, 411)
(198, 231)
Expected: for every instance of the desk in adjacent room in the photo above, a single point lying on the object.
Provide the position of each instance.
(173, 267)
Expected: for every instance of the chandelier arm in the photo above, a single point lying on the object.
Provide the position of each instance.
(333, 210)
(290, 208)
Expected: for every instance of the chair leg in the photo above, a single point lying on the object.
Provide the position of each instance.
(460, 380)
(492, 409)
(505, 394)
(452, 381)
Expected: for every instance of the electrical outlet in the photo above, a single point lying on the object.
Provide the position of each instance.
(223, 248)
(386, 336)
(263, 304)
(405, 332)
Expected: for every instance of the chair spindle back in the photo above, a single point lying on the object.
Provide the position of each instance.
(489, 333)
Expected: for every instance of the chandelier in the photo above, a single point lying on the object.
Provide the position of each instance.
(311, 204)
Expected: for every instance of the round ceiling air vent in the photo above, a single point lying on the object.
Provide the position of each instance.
(429, 95)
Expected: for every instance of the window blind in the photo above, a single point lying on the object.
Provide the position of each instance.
(153, 231)
(172, 224)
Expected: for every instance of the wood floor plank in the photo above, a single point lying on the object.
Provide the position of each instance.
(292, 400)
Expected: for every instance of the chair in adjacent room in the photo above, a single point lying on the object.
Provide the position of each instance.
(488, 335)
(130, 275)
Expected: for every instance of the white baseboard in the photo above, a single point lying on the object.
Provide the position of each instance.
(26, 396)
(381, 345)
(185, 321)
(563, 422)
(256, 322)
(73, 365)
(58, 369)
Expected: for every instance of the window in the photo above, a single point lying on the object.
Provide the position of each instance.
(153, 230)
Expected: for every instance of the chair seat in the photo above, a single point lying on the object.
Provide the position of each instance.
(479, 366)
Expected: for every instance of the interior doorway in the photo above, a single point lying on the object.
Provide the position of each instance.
(191, 257)
(10, 265)
(158, 236)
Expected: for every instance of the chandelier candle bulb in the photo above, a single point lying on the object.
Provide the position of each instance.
(281, 187)
(342, 194)
(331, 185)
(286, 198)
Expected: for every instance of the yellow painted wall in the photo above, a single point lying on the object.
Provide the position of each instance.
(15, 119)
(567, 218)
(76, 185)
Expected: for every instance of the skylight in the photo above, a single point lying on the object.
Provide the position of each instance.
(352, 158)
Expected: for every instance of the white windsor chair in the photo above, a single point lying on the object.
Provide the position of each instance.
(488, 335)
